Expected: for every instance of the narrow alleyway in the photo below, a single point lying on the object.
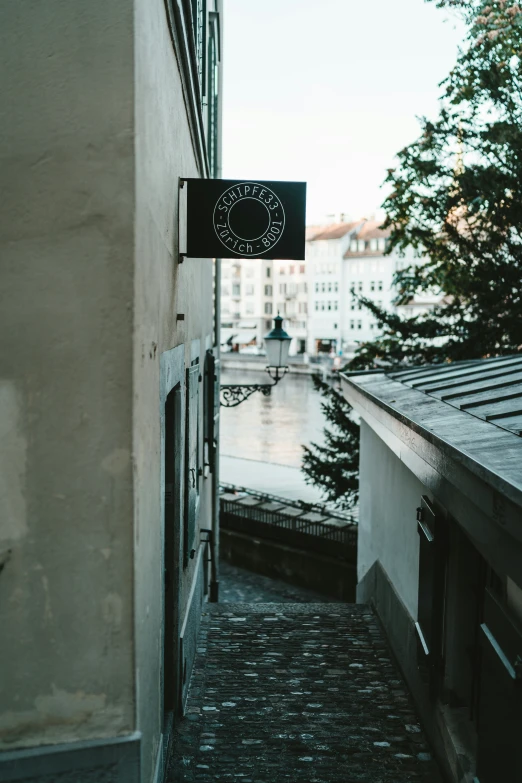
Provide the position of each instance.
(297, 692)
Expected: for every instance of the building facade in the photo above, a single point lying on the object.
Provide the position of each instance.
(108, 353)
(440, 550)
(253, 293)
(325, 249)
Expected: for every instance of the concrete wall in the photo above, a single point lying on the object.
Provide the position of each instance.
(389, 496)
(327, 575)
(67, 245)
(164, 152)
(95, 134)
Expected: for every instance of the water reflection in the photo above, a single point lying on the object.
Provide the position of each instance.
(274, 428)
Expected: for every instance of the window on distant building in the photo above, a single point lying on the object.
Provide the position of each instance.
(282, 288)
(382, 244)
(380, 285)
(303, 307)
(282, 308)
(225, 290)
(372, 285)
(268, 271)
(373, 245)
(371, 327)
(317, 305)
(302, 269)
(249, 308)
(360, 286)
(336, 305)
(322, 306)
(336, 287)
(249, 271)
(317, 288)
(268, 325)
(352, 324)
(249, 290)
(236, 289)
(329, 305)
(352, 305)
(360, 245)
(268, 308)
(268, 290)
(353, 246)
(330, 287)
(292, 270)
(359, 324)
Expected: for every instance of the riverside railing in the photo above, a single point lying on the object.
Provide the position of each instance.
(301, 525)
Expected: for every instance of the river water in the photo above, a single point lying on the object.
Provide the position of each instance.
(272, 429)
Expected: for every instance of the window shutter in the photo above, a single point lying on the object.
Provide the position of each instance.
(431, 597)
(213, 408)
(499, 754)
(192, 460)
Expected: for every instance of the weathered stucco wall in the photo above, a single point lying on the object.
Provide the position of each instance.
(389, 496)
(164, 152)
(66, 233)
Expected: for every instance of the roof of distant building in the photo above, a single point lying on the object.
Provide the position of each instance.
(372, 230)
(333, 231)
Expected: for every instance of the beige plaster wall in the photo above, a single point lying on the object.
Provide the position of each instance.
(389, 497)
(164, 152)
(66, 297)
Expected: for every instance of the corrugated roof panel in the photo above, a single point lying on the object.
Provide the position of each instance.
(473, 387)
(490, 389)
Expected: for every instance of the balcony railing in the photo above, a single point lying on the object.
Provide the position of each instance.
(302, 525)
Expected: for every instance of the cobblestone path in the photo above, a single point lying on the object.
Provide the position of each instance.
(237, 585)
(297, 692)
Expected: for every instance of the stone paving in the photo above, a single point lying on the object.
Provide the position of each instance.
(237, 585)
(297, 692)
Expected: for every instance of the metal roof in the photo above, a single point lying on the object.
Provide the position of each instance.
(490, 389)
(462, 419)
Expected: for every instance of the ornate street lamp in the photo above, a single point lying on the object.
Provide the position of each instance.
(277, 344)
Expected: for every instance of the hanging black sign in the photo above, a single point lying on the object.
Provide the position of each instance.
(228, 218)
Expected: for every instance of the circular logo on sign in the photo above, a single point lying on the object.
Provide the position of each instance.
(249, 219)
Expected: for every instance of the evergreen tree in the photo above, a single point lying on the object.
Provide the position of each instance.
(334, 467)
(455, 200)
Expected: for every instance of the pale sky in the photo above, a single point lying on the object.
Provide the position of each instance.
(328, 91)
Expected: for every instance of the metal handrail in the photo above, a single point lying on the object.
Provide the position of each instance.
(320, 508)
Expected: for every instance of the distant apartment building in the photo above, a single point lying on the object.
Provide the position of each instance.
(325, 249)
(246, 302)
(366, 272)
(290, 300)
(318, 298)
(252, 293)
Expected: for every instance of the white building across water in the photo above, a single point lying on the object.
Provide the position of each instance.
(318, 298)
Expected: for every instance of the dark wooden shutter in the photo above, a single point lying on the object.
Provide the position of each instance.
(192, 471)
(431, 596)
(213, 408)
(499, 753)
